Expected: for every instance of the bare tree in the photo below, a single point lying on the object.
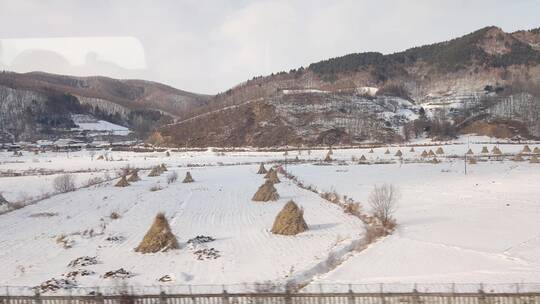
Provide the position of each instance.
(64, 183)
(383, 201)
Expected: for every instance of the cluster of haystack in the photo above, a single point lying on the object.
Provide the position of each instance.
(188, 178)
(290, 220)
(159, 237)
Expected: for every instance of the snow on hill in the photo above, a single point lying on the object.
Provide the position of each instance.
(88, 123)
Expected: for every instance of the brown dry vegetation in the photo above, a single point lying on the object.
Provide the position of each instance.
(159, 237)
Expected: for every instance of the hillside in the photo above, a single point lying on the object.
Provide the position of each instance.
(36, 104)
(487, 77)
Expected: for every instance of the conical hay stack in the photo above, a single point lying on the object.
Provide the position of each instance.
(431, 153)
(534, 160)
(290, 220)
(470, 152)
(496, 151)
(536, 150)
(266, 192)
(3, 201)
(398, 153)
(518, 158)
(363, 158)
(412, 149)
(267, 175)
(122, 182)
(387, 151)
(526, 149)
(485, 149)
(163, 168)
(328, 158)
(424, 154)
(188, 178)
(159, 237)
(156, 171)
(370, 150)
(472, 160)
(439, 150)
(134, 177)
(434, 161)
(262, 169)
(274, 177)
(100, 157)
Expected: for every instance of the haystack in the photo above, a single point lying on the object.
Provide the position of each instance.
(156, 171)
(273, 177)
(431, 153)
(262, 169)
(363, 158)
(439, 150)
(168, 154)
(412, 149)
(534, 160)
(472, 160)
(485, 150)
(163, 168)
(290, 220)
(435, 161)
(188, 178)
(3, 201)
(470, 152)
(134, 177)
(424, 154)
(518, 158)
(398, 153)
(371, 150)
(536, 150)
(526, 149)
(496, 151)
(159, 237)
(267, 192)
(387, 151)
(328, 158)
(122, 182)
(267, 175)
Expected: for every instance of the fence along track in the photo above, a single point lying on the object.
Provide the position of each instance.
(285, 298)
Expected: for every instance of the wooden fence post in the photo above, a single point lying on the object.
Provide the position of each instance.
(351, 298)
(37, 297)
(225, 297)
(162, 297)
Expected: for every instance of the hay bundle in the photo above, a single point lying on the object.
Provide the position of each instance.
(156, 171)
(163, 168)
(159, 237)
(518, 158)
(266, 192)
(470, 152)
(122, 182)
(485, 150)
(371, 150)
(267, 175)
(496, 151)
(398, 153)
(424, 154)
(290, 220)
(363, 158)
(439, 150)
(273, 177)
(262, 169)
(536, 150)
(188, 178)
(100, 157)
(134, 177)
(387, 151)
(412, 149)
(328, 158)
(3, 201)
(431, 153)
(472, 160)
(534, 160)
(435, 161)
(526, 149)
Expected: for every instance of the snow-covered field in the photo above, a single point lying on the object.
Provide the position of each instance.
(452, 227)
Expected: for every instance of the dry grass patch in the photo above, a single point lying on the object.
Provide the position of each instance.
(159, 237)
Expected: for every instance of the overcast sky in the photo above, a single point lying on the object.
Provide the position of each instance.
(209, 46)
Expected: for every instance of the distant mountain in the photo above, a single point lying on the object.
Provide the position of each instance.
(486, 82)
(38, 104)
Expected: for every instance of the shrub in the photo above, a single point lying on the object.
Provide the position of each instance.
(383, 201)
(64, 183)
(172, 177)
